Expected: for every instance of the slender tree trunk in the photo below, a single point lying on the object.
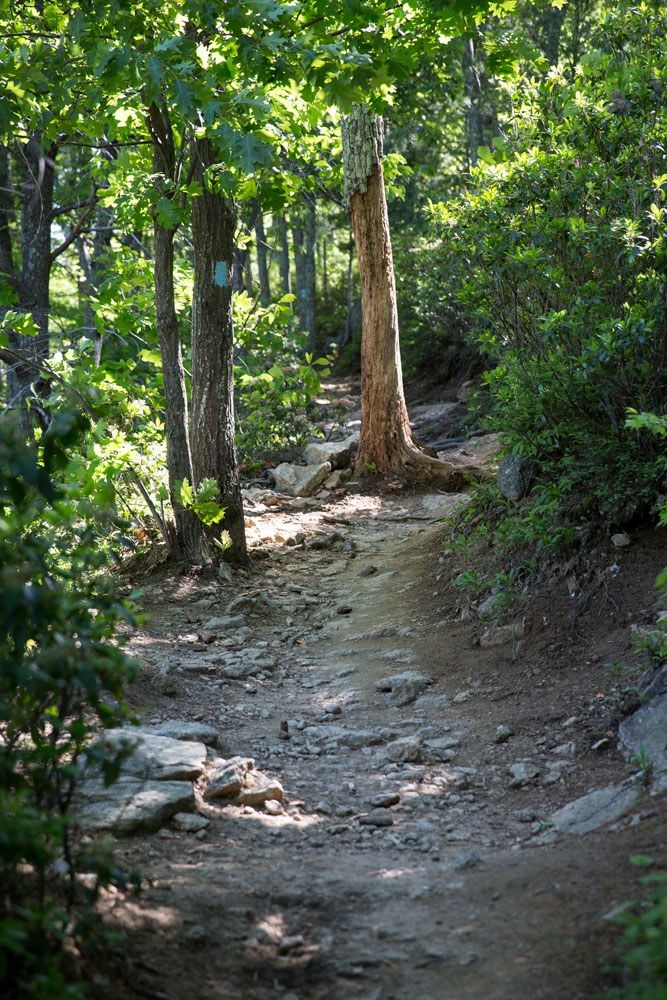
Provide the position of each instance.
(187, 537)
(92, 269)
(304, 235)
(386, 443)
(348, 331)
(213, 439)
(473, 89)
(36, 168)
(262, 260)
(285, 277)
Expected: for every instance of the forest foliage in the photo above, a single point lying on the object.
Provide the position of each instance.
(526, 166)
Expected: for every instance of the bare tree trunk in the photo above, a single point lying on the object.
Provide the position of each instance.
(304, 234)
(213, 439)
(348, 331)
(92, 269)
(285, 277)
(262, 260)
(473, 90)
(386, 443)
(187, 538)
(36, 168)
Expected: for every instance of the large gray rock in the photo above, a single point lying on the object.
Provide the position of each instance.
(515, 476)
(224, 623)
(300, 480)
(403, 688)
(645, 731)
(337, 453)
(184, 729)
(159, 758)
(591, 811)
(131, 805)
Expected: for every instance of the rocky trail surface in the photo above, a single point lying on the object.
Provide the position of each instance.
(366, 785)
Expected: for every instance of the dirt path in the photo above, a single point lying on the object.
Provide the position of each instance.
(460, 891)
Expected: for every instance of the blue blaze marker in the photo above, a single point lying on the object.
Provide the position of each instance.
(221, 273)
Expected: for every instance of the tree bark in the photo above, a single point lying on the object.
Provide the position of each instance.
(262, 260)
(285, 277)
(30, 282)
(473, 90)
(213, 438)
(92, 269)
(386, 443)
(305, 234)
(188, 537)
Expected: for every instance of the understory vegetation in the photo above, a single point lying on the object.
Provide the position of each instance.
(525, 164)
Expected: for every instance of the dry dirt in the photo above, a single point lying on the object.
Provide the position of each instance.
(458, 898)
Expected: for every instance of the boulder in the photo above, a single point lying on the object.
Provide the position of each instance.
(591, 811)
(403, 688)
(645, 731)
(184, 729)
(257, 789)
(131, 805)
(158, 758)
(337, 453)
(227, 777)
(515, 476)
(300, 480)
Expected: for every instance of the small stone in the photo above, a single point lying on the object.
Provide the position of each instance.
(386, 800)
(403, 688)
(500, 635)
(525, 815)
(377, 818)
(324, 808)
(620, 540)
(273, 807)
(224, 623)
(189, 822)
(408, 749)
(258, 788)
(300, 480)
(503, 734)
(515, 475)
(523, 772)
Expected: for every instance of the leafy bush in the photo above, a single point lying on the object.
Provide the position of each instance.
(276, 384)
(61, 674)
(563, 238)
(642, 969)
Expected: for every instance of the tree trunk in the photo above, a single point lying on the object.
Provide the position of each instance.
(31, 283)
(285, 277)
(473, 90)
(386, 443)
(188, 535)
(187, 538)
(262, 260)
(304, 260)
(92, 269)
(213, 440)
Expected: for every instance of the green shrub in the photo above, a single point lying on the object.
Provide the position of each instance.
(642, 968)
(562, 236)
(61, 674)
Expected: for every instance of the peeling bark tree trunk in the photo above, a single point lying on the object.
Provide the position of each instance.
(213, 440)
(187, 537)
(386, 443)
(285, 277)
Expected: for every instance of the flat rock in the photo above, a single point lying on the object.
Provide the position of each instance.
(337, 453)
(184, 729)
(223, 623)
(591, 811)
(189, 822)
(403, 688)
(523, 772)
(131, 805)
(365, 738)
(300, 480)
(159, 758)
(646, 731)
